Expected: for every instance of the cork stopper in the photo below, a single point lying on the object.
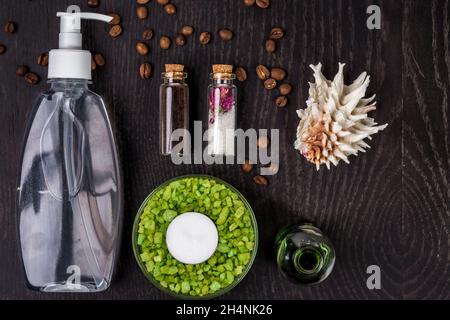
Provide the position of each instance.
(174, 67)
(222, 68)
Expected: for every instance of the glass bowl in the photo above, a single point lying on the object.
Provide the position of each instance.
(220, 292)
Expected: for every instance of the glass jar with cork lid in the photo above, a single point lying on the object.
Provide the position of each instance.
(173, 107)
(222, 97)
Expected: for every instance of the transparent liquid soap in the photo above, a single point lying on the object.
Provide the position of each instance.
(70, 192)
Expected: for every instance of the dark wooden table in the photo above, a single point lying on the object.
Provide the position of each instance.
(389, 207)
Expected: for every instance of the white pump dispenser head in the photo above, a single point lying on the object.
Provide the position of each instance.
(70, 61)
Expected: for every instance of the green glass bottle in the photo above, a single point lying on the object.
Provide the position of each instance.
(304, 254)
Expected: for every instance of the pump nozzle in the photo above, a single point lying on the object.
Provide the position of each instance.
(70, 29)
(70, 61)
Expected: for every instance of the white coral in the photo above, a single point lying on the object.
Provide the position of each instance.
(335, 122)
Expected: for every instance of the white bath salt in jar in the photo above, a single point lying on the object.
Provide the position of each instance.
(222, 97)
(192, 238)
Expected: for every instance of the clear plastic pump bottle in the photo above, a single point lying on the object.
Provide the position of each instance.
(70, 189)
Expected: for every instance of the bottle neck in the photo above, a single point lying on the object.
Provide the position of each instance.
(222, 81)
(173, 80)
(71, 84)
(308, 260)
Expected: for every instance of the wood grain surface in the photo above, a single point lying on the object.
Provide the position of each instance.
(389, 207)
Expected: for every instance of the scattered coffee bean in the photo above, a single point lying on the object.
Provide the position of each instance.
(187, 31)
(115, 31)
(263, 3)
(42, 59)
(147, 34)
(281, 101)
(277, 73)
(31, 78)
(170, 9)
(164, 42)
(263, 142)
(142, 12)
(93, 64)
(205, 37)
(22, 70)
(2, 48)
(261, 180)
(10, 27)
(93, 3)
(276, 33)
(270, 83)
(162, 2)
(247, 166)
(241, 74)
(99, 59)
(145, 70)
(142, 1)
(270, 46)
(115, 20)
(225, 34)
(142, 48)
(249, 3)
(180, 40)
(285, 89)
(262, 72)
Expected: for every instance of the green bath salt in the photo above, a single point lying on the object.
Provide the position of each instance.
(236, 236)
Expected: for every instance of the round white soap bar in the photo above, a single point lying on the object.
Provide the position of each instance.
(192, 238)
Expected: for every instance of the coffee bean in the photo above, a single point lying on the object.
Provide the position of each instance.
(147, 34)
(142, 48)
(281, 101)
(263, 3)
(115, 20)
(93, 64)
(263, 142)
(22, 70)
(270, 83)
(99, 59)
(2, 48)
(249, 3)
(115, 31)
(10, 27)
(31, 78)
(162, 2)
(247, 166)
(262, 72)
(142, 1)
(170, 9)
(164, 42)
(180, 40)
(261, 180)
(93, 3)
(225, 34)
(277, 73)
(276, 33)
(270, 46)
(145, 70)
(285, 89)
(241, 74)
(42, 59)
(205, 37)
(187, 31)
(142, 12)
